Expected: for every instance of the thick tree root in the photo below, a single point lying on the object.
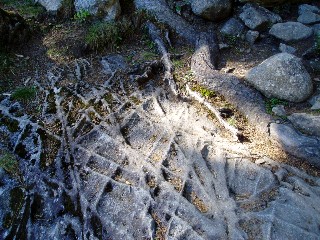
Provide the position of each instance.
(168, 67)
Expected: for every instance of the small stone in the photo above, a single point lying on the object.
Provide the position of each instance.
(232, 27)
(315, 102)
(252, 36)
(287, 49)
(223, 46)
(290, 31)
(260, 161)
(279, 110)
(309, 18)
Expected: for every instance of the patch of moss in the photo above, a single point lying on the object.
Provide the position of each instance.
(204, 91)
(10, 164)
(24, 94)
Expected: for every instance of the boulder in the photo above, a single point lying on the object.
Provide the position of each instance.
(213, 10)
(309, 18)
(287, 49)
(50, 5)
(305, 8)
(258, 18)
(270, 3)
(307, 123)
(107, 9)
(232, 27)
(282, 76)
(290, 31)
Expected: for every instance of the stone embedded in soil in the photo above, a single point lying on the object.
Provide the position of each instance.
(316, 29)
(306, 123)
(51, 5)
(258, 18)
(290, 31)
(108, 9)
(286, 48)
(279, 110)
(309, 18)
(282, 76)
(315, 102)
(252, 36)
(232, 27)
(212, 10)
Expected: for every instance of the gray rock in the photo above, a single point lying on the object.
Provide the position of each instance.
(223, 46)
(279, 110)
(316, 105)
(108, 9)
(232, 27)
(305, 8)
(298, 145)
(282, 76)
(309, 18)
(315, 102)
(113, 63)
(252, 36)
(50, 5)
(212, 10)
(306, 123)
(316, 29)
(290, 31)
(258, 18)
(287, 49)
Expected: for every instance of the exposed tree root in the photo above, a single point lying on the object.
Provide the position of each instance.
(168, 67)
(235, 133)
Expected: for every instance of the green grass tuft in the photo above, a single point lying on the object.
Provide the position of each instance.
(108, 34)
(82, 16)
